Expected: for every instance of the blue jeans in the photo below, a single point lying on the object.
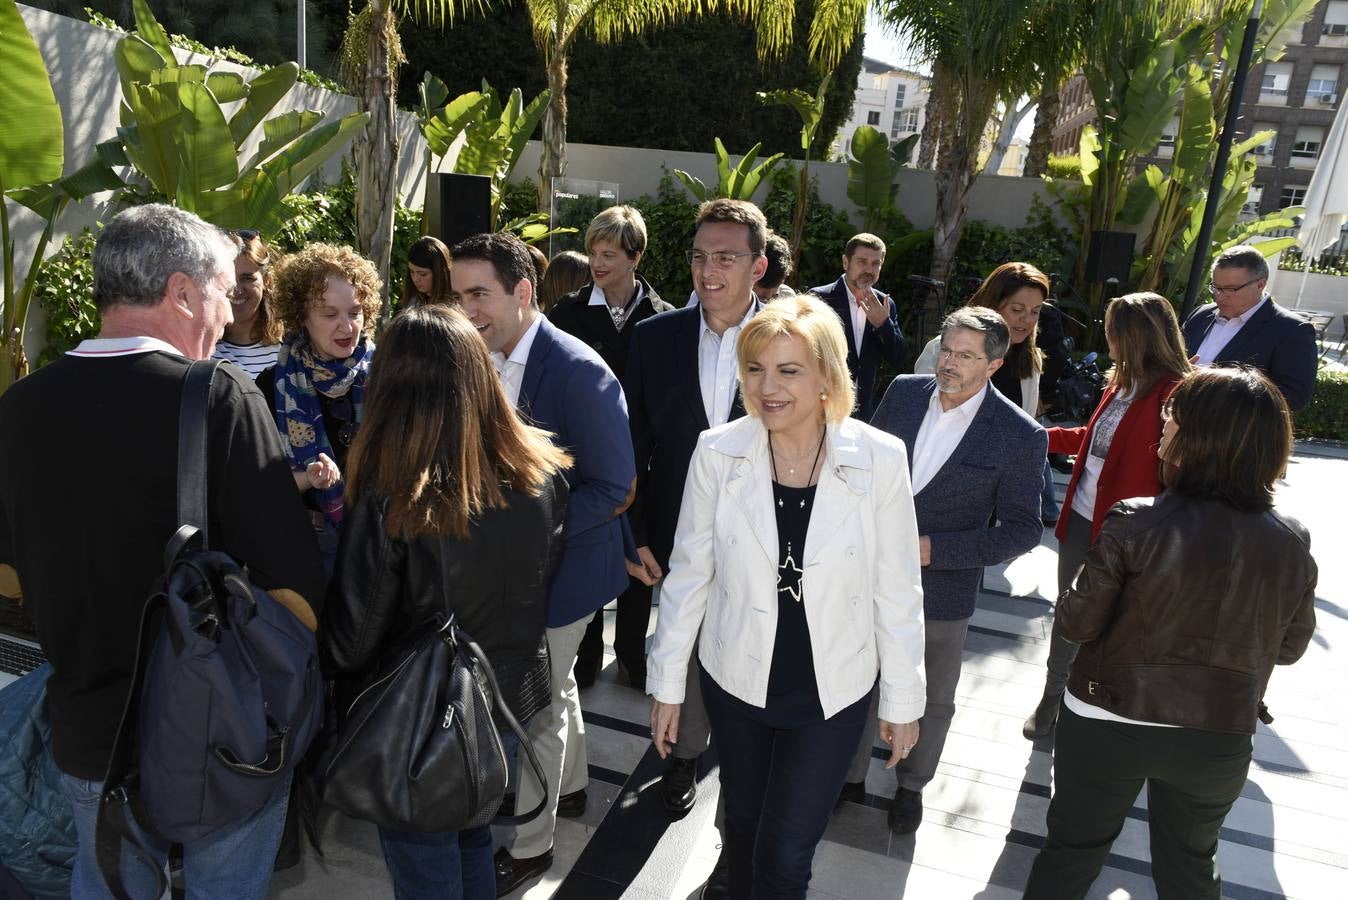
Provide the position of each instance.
(781, 770)
(234, 863)
(450, 865)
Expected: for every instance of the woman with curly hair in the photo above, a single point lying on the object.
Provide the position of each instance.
(252, 339)
(328, 300)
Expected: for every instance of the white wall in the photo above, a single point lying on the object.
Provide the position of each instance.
(1323, 293)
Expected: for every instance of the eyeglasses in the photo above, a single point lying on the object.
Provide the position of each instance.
(1217, 291)
(721, 259)
(245, 234)
(963, 357)
(342, 410)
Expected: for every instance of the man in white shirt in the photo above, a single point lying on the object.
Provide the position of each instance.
(1244, 324)
(973, 454)
(682, 378)
(870, 318)
(564, 387)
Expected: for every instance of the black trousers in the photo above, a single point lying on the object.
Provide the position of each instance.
(781, 770)
(1192, 778)
(629, 640)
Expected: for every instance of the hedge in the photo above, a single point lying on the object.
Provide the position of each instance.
(1326, 416)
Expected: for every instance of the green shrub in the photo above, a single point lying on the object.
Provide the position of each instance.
(65, 291)
(826, 230)
(1326, 416)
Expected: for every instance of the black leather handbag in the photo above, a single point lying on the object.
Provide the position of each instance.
(418, 748)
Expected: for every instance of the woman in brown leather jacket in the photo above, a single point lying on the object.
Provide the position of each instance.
(1184, 606)
(451, 501)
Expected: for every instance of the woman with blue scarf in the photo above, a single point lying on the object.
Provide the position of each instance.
(328, 299)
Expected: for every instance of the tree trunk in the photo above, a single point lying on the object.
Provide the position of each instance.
(1041, 139)
(376, 150)
(1005, 134)
(939, 108)
(552, 161)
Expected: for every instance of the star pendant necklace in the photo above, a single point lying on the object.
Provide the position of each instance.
(790, 470)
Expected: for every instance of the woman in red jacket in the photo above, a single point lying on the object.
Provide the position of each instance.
(1115, 453)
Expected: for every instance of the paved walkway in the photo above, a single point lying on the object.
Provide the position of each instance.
(1286, 837)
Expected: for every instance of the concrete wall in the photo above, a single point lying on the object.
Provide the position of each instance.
(994, 198)
(1323, 293)
(80, 63)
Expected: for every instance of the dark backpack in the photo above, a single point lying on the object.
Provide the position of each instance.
(227, 693)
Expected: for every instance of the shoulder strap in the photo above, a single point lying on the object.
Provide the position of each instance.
(192, 427)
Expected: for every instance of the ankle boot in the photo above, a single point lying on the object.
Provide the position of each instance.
(1045, 715)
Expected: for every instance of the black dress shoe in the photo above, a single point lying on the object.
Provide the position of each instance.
(678, 787)
(718, 883)
(1041, 721)
(853, 792)
(572, 805)
(512, 872)
(906, 812)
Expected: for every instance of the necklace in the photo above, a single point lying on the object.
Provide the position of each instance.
(790, 471)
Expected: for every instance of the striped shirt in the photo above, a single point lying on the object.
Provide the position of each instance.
(252, 358)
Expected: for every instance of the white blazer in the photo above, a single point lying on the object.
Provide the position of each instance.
(1029, 386)
(862, 581)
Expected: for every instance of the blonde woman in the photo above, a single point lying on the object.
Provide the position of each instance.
(796, 558)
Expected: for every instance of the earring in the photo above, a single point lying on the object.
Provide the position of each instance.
(823, 396)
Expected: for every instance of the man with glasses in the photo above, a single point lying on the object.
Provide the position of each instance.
(1245, 325)
(870, 319)
(973, 454)
(682, 378)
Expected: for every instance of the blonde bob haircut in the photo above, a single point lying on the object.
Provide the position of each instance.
(813, 321)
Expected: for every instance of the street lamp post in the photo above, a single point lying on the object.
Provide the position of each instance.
(300, 36)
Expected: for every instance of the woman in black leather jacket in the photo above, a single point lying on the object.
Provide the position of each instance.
(1185, 604)
(451, 501)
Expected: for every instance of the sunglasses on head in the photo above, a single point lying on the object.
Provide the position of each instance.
(246, 234)
(342, 410)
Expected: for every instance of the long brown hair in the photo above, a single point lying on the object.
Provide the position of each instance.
(439, 437)
(428, 253)
(1234, 437)
(267, 327)
(568, 272)
(1023, 359)
(1144, 333)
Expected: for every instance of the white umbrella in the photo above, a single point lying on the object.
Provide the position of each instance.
(1326, 198)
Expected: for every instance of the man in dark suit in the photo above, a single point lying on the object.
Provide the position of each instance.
(604, 315)
(562, 385)
(870, 319)
(972, 454)
(1244, 324)
(682, 378)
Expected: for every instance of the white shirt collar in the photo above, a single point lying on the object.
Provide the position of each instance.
(967, 410)
(520, 355)
(1245, 316)
(123, 346)
(599, 298)
(748, 314)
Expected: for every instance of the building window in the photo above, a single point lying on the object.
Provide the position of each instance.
(873, 117)
(1336, 19)
(1168, 136)
(1253, 199)
(1292, 196)
(1266, 148)
(1323, 87)
(1308, 141)
(900, 92)
(1277, 76)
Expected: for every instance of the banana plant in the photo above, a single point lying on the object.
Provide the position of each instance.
(736, 183)
(870, 178)
(175, 133)
(32, 158)
(811, 112)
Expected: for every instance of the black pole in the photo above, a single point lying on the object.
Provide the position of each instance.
(1219, 165)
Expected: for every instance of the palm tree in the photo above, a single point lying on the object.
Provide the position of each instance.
(557, 23)
(982, 51)
(370, 58)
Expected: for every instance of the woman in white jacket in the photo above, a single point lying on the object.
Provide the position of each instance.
(796, 559)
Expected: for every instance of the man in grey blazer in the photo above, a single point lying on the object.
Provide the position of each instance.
(977, 464)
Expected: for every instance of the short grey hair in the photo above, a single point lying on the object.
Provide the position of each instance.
(987, 322)
(143, 246)
(1242, 256)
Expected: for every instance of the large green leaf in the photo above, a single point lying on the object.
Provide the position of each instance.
(207, 152)
(91, 178)
(289, 168)
(31, 135)
(870, 172)
(1089, 150)
(695, 185)
(279, 131)
(1142, 192)
(747, 179)
(809, 108)
(148, 27)
(1150, 101)
(522, 129)
(136, 60)
(1194, 143)
(264, 92)
(157, 116)
(433, 93)
(448, 122)
(227, 87)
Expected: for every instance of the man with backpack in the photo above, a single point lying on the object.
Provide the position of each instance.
(88, 501)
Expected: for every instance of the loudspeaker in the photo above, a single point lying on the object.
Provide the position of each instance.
(1110, 256)
(457, 206)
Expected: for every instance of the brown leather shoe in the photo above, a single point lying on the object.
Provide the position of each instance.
(572, 806)
(512, 872)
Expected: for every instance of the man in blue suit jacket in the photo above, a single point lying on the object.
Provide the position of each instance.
(870, 319)
(973, 455)
(562, 385)
(1245, 325)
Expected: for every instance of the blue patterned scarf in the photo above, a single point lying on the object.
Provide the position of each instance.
(301, 375)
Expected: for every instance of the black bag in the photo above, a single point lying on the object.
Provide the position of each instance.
(418, 749)
(227, 692)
